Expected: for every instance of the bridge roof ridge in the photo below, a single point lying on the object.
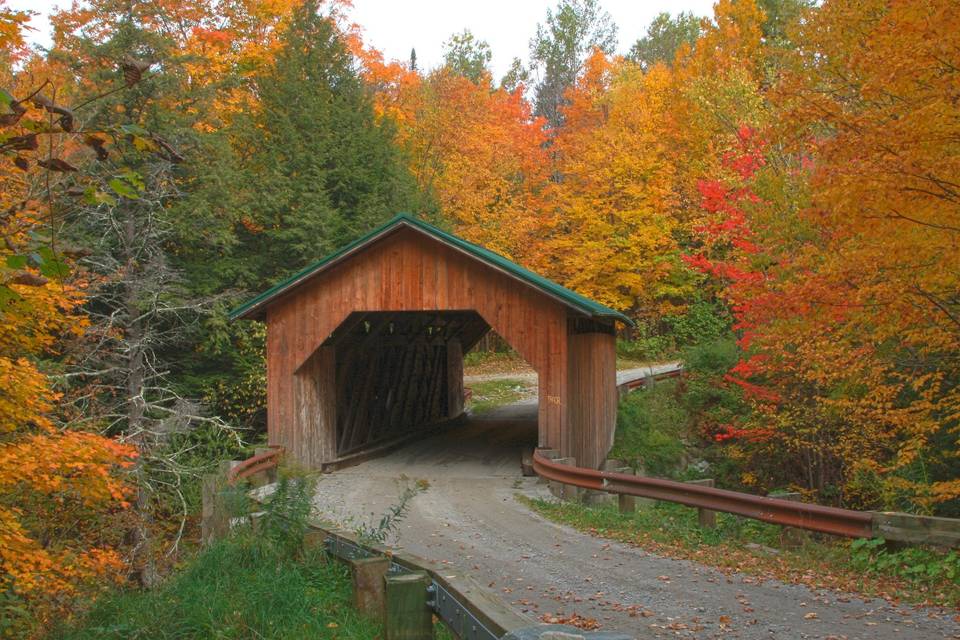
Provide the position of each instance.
(255, 306)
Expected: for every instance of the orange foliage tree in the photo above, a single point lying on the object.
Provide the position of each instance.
(56, 485)
(836, 248)
(476, 149)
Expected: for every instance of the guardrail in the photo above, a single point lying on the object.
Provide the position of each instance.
(263, 461)
(468, 610)
(636, 383)
(893, 526)
(840, 522)
(395, 587)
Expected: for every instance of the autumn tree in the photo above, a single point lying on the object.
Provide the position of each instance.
(663, 37)
(59, 487)
(612, 226)
(466, 56)
(560, 48)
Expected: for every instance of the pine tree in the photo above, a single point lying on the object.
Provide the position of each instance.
(321, 169)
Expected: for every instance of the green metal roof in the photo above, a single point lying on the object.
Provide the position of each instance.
(255, 307)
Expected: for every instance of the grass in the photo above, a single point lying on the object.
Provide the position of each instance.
(239, 588)
(481, 362)
(756, 549)
(490, 394)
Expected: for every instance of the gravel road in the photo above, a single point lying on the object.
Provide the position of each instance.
(470, 521)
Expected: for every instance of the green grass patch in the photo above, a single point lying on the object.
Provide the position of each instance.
(238, 588)
(918, 575)
(490, 394)
(258, 583)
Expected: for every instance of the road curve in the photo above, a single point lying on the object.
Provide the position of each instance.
(470, 521)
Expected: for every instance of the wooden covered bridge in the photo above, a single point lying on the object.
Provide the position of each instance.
(365, 347)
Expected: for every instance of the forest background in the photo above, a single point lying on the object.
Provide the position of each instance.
(773, 193)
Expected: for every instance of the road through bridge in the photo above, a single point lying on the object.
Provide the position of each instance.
(470, 522)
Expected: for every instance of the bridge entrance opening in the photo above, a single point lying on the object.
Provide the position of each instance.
(399, 372)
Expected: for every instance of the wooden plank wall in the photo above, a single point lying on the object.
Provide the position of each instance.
(409, 271)
(593, 396)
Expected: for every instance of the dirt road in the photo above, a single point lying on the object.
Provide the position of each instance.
(469, 520)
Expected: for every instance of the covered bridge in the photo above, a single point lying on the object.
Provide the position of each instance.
(366, 346)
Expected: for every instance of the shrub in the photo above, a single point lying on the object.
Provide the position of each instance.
(651, 425)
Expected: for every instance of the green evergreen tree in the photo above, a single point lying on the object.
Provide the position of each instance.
(310, 170)
(319, 168)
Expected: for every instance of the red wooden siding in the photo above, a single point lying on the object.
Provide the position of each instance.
(410, 271)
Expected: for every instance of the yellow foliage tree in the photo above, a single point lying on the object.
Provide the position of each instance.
(612, 218)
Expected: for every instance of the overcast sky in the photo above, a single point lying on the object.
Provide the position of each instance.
(395, 27)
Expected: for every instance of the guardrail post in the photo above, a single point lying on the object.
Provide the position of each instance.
(705, 517)
(791, 536)
(314, 538)
(214, 521)
(625, 503)
(526, 463)
(368, 576)
(550, 454)
(214, 517)
(565, 491)
(407, 615)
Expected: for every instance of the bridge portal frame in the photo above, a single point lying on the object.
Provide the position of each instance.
(319, 327)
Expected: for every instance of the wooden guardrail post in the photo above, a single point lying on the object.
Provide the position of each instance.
(214, 515)
(565, 491)
(706, 518)
(526, 463)
(407, 615)
(368, 576)
(550, 454)
(791, 536)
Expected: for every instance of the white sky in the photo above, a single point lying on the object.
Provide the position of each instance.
(394, 26)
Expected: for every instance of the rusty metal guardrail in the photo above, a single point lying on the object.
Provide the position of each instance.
(636, 383)
(814, 517)
(251, 466)
(900, 527)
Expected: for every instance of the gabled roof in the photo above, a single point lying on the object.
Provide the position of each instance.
(254, 308)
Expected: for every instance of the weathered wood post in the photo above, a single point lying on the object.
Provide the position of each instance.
(368, 576)
(568, 491)
(526, 462)
(214, 515)
(407, 615)
(706, 518)
(791, 536)
(314, 538)
(625, 503)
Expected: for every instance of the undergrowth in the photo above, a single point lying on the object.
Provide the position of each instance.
(257, 583)
(916, 575)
